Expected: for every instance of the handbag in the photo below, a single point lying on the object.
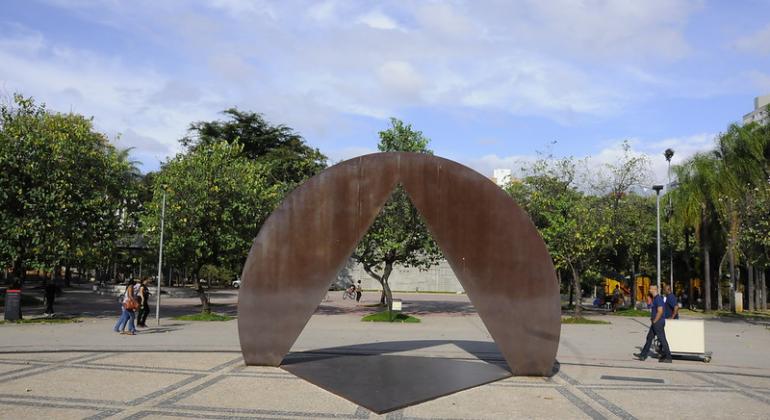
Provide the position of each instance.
(130, 304)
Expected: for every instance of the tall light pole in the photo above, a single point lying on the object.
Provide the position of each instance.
(657, 189)
(160, 258)
(669, 153)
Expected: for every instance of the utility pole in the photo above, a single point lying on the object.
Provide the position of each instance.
(669, 153)
(657, 189)
(160, 259)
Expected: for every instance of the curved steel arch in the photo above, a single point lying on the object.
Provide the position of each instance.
(490, 243)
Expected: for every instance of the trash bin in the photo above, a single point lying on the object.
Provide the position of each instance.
(12, 304)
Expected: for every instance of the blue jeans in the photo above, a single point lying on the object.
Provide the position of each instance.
(125, 317)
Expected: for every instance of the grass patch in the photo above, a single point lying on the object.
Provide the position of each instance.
(44, 321)
(384, 317)
(572, 320)
(630, 312)
(212, 316)
(763, 315)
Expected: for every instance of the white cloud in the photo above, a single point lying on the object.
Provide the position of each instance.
(150, 110)
(756, 43)
(378, 20)
(684, 148)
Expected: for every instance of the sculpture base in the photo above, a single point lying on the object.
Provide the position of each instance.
(383, 383)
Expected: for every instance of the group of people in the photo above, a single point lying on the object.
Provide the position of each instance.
(135, 305)
(661, 308)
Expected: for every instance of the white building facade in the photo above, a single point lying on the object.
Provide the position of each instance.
(759, 115)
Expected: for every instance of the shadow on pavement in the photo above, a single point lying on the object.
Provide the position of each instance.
(368, 375)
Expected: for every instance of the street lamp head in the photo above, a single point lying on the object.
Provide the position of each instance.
(669, 153)
(657, 188)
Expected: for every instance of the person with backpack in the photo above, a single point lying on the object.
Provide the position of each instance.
(128, 305)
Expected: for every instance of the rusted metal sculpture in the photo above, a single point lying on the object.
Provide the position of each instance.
(490, 243)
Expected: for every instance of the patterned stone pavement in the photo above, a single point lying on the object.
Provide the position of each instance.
(165, 385)
(194, 370)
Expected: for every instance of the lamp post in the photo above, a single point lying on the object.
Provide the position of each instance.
(669, 153)
(657, 189)
(160, 258)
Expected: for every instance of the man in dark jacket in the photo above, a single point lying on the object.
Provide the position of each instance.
(657, 328)
(49, 292)
(671, 310)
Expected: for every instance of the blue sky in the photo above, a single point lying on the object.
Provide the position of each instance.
(489, 82)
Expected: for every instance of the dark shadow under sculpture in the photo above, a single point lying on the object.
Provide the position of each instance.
(490, 243)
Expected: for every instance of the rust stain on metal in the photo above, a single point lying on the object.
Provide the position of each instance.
(490, 243)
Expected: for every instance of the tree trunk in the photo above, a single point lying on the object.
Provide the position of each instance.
(386, 296)
(750, 285)
(19, 273)
(67, 275)
(733, 276)
(720, 306)
(386, 288)
(757, 285)
(706, 293)
(633, 285)
(763, 288)
(578, 294)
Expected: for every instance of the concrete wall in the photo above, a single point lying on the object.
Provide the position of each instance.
(439, 278)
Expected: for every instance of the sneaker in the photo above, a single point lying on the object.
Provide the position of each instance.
(640, 356)
(665, 360)
(130, 333)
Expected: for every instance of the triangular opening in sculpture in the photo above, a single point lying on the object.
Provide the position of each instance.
(398, 249)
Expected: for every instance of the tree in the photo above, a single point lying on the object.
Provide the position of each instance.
(284, 154)
(695, 201)
(630, 216)
(398, 236)
(572, 224)
(216, 200)
(63, 188)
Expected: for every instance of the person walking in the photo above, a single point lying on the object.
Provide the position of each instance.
(657, 328)
(616, 298)
(128, 305)
(144, 303)
(359, 291)
(49, 292)
(671, 310)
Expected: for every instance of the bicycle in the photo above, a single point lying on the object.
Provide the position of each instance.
(349, 293)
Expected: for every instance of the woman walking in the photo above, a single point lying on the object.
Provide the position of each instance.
(128, 304)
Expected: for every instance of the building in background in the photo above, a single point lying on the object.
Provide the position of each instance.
(501, 177)
(759, 114)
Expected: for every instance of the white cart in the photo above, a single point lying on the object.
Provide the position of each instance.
(686, 339)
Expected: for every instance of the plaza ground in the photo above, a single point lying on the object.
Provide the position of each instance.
(186, 369)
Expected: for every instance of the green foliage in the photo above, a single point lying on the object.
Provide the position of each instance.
(570, 222)
(585, 321)
(216, 200)
(631, 312)
(723, 196)
(209, 316)
(401, 137)
(63, 188)
(387, 316)
(217, 275)
(285, 157)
